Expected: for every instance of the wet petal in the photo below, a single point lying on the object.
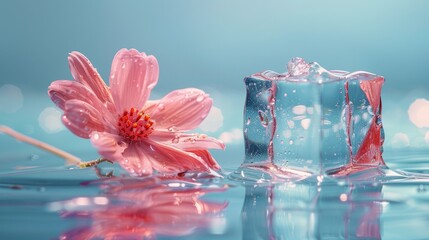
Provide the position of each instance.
(207, 157)
(150, 106)
(83, 72)
(132, 77)
(165, 158)
(80, 114)
(75, 128)
(187, 141)
(108, 145)
(182, 110)
(135, 161)
(61, 91)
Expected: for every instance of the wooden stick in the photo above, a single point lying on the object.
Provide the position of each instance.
(71, 159)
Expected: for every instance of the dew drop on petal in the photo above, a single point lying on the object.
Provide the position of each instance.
(152, 85)
(200, 98)
(161, 107)
(175, 139)
(96, 136)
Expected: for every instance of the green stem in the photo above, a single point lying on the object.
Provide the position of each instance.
(93, 162)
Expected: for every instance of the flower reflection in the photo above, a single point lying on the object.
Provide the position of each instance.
(143, 209)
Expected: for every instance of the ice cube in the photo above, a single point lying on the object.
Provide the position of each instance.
(313, 120)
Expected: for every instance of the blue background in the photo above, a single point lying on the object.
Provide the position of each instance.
(211, 45)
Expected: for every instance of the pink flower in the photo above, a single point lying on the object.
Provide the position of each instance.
(126, 127)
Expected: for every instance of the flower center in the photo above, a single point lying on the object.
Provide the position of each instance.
(134, 125)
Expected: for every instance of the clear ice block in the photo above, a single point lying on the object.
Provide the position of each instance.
(313, 121)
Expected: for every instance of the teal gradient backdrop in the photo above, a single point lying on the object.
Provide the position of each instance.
(213, 45)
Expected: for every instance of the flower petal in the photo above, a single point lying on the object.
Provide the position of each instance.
(182, 110)
(167, 159)
(107, 145)
(132, 77)
(187, 141)
(79, 114)
(135, 161)
(150, 106)
(75, 128)
(61, 91)
(207, 157)
(83, 72)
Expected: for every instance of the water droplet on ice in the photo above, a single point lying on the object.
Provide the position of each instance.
(297, 66)
(248, 121)
(263, 118)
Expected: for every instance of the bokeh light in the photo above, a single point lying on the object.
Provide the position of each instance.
(50, 120)
(418, 113)
(427, 137)
(400, 140)
(213, 121)
(11, 98)
(233, 136)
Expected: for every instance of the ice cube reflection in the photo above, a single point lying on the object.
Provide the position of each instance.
(310, 211)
